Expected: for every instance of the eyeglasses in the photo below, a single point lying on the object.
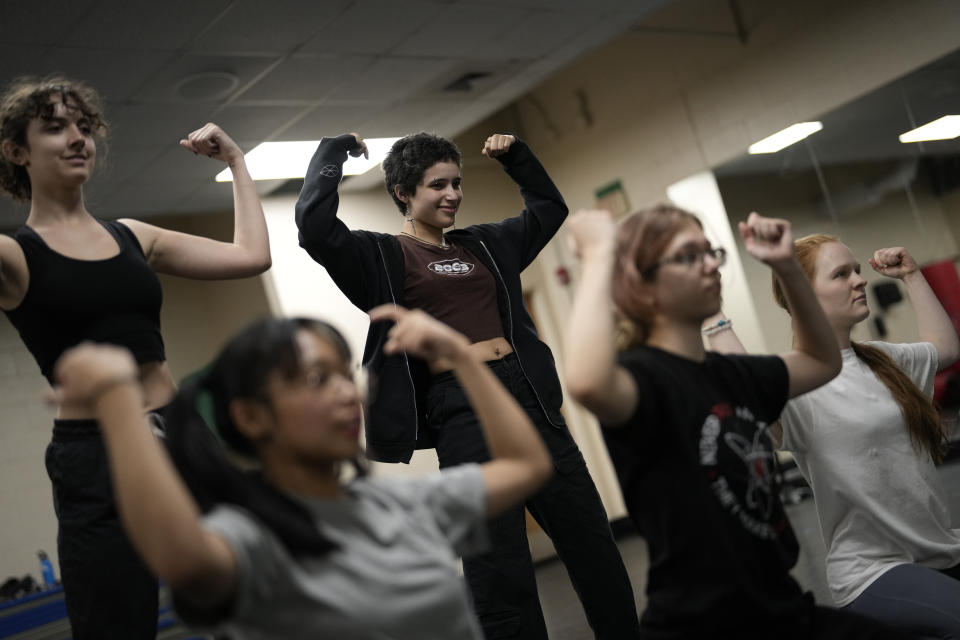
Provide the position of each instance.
(690, 257)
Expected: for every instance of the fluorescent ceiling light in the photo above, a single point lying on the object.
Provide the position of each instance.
(288, 160)
(945, 128)
(782, 139)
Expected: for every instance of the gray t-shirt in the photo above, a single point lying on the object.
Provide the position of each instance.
(393, 574)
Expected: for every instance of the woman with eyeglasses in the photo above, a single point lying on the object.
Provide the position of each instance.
(272, 543)
(687, 428)
(867, 443)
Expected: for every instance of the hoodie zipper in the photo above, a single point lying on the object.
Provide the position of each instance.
(406, 360)
(510, 323)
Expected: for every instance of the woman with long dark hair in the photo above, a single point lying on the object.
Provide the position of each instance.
(273, 543)
(470, 279)
(66, 277)
(687, 428)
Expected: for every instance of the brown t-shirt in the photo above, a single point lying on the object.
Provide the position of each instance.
(452, 286)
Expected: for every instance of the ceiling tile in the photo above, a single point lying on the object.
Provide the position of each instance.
(256, 122)
(166, 25)
(408, 117)
(40, 21)
(114, 74)
(328, 120)
(162, 86)
(307, 77)
(177, 164)
(458, 28)
(124, 162)
(277, 26)
(392, 79)
(537, 34)
(372, 26)
(140, 124)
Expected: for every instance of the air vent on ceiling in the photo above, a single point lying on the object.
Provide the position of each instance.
(465, 81)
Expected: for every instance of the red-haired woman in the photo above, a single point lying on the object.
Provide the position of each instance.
(867, 443)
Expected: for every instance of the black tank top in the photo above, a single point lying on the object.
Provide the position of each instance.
(68, 301)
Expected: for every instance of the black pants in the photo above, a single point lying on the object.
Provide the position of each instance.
(109, 592)
(568, 508)
(920, 600)
(813, 623)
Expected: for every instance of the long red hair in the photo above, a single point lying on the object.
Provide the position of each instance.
(927, 431)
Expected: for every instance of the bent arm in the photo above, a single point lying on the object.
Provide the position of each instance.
(322, 234)
(157, 511)
(933, 322)
(190, 256)
(544, 208)
(520, 462)
(591, 372)
(815, 358)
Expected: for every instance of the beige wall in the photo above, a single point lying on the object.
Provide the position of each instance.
(26, 504)
(196, 318)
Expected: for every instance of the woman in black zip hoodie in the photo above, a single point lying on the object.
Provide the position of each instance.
(470, 278)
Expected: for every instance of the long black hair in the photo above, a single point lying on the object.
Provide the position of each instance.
(210, 452)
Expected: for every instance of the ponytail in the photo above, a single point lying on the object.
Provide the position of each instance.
(927, 431)
(202, 458)
(216, 461)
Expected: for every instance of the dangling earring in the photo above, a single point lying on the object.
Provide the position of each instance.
(412, 225)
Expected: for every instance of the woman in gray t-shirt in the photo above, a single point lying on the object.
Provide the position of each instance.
(284, 548)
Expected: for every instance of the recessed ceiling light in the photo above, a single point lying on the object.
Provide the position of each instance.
(945, 128)
(289, 160)
(782, 139)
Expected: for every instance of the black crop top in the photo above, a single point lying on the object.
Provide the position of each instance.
(68, 301)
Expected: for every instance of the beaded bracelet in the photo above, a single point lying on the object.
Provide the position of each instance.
(722, 325)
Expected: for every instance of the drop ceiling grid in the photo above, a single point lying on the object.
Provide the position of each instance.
(305, 69)
(371, 27)
(274, 26)
(169, 25)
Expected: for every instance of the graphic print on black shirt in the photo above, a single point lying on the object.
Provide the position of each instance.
(695, 463)
(737, 459)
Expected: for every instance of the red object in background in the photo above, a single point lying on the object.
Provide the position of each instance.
(945, 282)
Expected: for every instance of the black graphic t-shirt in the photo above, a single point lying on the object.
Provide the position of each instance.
(695, 464)
(451, 285)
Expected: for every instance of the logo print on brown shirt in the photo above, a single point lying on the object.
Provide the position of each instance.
(451, 267)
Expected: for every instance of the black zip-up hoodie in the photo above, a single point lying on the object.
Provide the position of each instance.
(368, 268)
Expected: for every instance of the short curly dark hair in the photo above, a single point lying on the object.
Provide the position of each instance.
(29, 97)
(410, 157)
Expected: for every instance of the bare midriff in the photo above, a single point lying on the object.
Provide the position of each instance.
(492, 349)
(158, 390)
